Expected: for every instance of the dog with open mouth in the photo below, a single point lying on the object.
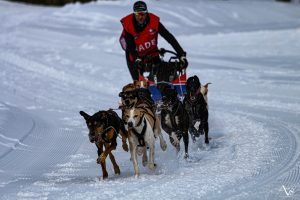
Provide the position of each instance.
(135, 92)
(143, 128)
(174, 119)
(195, 103)
(104, 128)
(128, 96)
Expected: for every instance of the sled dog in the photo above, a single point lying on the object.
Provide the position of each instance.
(195, 103)
(174, 119)
(143, 127)
(104, 127)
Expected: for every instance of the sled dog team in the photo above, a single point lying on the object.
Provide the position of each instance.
(142, 120)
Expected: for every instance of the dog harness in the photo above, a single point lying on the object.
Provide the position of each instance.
(197, 104)
(104, 137)
(141, 135)
(103, 134)
(172, 114)
(152, 116)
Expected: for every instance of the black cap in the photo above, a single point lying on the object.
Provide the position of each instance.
(140, 6)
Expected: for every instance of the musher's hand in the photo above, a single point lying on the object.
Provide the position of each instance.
(138, 62)
(183, 62)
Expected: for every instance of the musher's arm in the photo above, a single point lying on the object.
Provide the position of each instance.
(130, 44)
(170, 39)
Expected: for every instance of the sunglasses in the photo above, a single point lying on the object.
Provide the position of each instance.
(140, 13)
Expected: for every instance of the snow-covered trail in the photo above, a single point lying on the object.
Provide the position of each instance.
(55, 62)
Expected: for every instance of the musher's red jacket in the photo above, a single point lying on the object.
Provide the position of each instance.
(146, 40)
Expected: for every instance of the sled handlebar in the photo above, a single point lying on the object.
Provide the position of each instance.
(174, 58)
(163, 51)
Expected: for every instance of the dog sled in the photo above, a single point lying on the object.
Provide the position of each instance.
(167, 73)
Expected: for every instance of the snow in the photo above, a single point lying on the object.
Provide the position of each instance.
(57, 61)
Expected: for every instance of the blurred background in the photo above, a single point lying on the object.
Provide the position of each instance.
(64, 2)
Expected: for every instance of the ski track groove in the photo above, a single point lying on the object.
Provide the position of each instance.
(284, 160)
(43, 157)
(290, 178)
(13, 115)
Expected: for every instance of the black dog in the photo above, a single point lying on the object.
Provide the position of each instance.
(174, 119)
(104, 127)
(196, 106)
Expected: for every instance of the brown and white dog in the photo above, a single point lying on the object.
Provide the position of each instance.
(141, 84)
(135, 92)
(104, 127)
(143, 93)
(128, 96)
(143, 128)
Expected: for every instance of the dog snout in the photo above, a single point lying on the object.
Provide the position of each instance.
(92, 138)
(130, 124)
(127, 102)
(193, 88)
(164, 98)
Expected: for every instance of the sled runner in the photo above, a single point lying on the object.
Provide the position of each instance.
(166, 73)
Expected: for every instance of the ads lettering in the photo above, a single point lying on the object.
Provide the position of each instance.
(147, 45)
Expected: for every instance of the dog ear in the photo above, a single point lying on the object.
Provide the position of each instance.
(84, 115)
(206, 85)
(135, 83)
(198, 80)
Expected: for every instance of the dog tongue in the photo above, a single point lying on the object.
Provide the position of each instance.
(193, 97)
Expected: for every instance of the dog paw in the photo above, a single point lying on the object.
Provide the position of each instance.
(140, 150)
(163, 145)
(152, 166)
(104, 175)
(175, 143)
(186, 156)
(194, 139)
(125, 147)
(174, 140)
(117, 170)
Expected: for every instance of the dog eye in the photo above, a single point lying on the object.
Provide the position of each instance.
(95, 123)
(135, 116)
(90, 124)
